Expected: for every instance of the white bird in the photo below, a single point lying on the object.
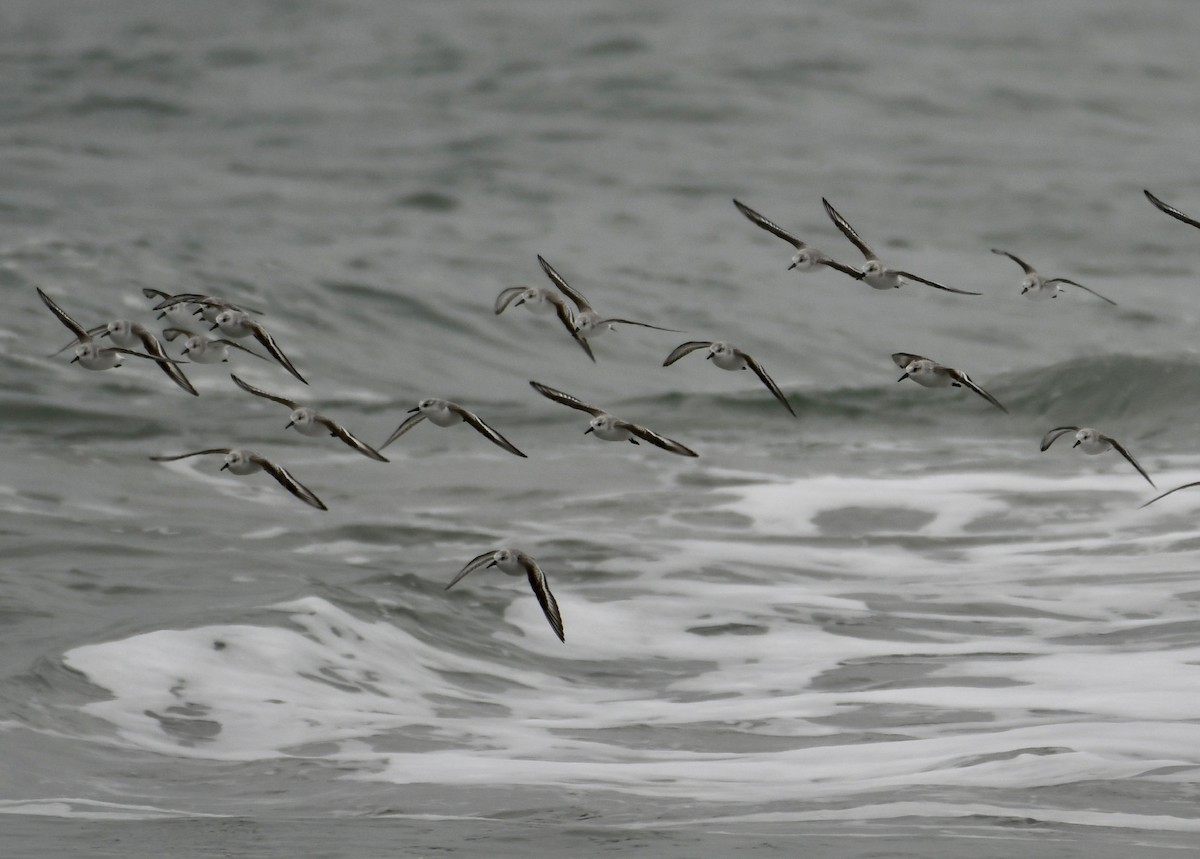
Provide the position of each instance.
(1092, 442)
(874, 273)
(585, 321)
(1038, 287)
(237, 324)
(610, 428)
(1179, 216)
(203, 351)
(311, 422)
(444, 413)
(207, 306)
(931, 374)
(806, 258)
(88, 353)
(728, 358)
(129, 334)
(516, 563)
(241, 461)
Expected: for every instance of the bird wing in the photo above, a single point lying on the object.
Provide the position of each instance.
(903, 359)
(1054, 280)
(766, 380)
(1169, 491)
(686, 348)
(259, 392)
(642, 324)
(935, 285)
(1174, 213)
(490, 434)
(220, 450)
(409, 422)
(967, 382)
(472, 565)
(654, 438)
(567, 318)
(565, 399)
(768, 225)
(848, 231)
(65, 318)
(506, 297)
(349, 438)
(169, 365)
(541, 589)
(268, 342)
(288, 482)
(565, 288)
(1120, 448)
(1026, 267)
(1054, 435)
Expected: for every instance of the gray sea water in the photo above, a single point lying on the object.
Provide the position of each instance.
(889, 626)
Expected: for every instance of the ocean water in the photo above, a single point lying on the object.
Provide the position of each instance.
(889, 626)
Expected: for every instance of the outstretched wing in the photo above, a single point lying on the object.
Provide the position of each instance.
(220, 450)
(567, 318)
(1025, 267)
(903, 359)
(485, 430)
(1054, 435)
(967, 382)
(537, 581)
(1120, 448)
(350, 439)
(268, 342)
(655, 439)
(848, 231)
(565, 399)
(767, 380)
(288, 482)
(686, 348)
(1055, 280)
(1177, 215)
(472, 565)
(563, 287)
(78, 330)
(506, 297)
(642, 324)
(409, 422)
(1169, 491)
(935, 285)
(770, 226)
(259, 392)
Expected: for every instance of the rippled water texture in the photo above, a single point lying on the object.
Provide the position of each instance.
(887, 626)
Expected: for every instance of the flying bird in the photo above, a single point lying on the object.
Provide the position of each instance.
(729, 358)
(516, 563)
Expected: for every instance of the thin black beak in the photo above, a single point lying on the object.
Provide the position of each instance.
(215, 326)
(492, 564)
(414, 409)
(225, 466)
(76, 358)
(290, 424)
(588, 430)
(902, 378)
(1076, 444)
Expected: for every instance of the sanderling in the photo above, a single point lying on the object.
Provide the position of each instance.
(203, 351)
(931, 374)
(516, 563)
(1177, 215)
(728, 358)
(445, 413)
(586, 322)
(88, 353)
(1038, 287)
(1092, 442)
(128, 334)
(206, 306)
(311, 422)
(806, 258)
(610, 428)
(874, 273)
(242, 461)
(237, 324)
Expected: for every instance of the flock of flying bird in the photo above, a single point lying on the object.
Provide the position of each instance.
(190, 312)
